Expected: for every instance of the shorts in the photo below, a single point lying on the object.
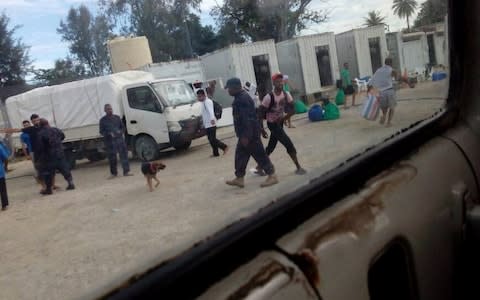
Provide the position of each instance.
(349, 90)
(388, 99)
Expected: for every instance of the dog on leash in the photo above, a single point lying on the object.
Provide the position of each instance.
(149, 170)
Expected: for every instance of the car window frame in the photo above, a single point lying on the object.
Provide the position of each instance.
(191, 272)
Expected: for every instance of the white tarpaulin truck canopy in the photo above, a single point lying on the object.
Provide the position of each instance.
(74, 104)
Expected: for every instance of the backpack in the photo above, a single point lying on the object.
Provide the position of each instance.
(272, 102)
(217, 109)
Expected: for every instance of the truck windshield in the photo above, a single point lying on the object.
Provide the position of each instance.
(175, 92)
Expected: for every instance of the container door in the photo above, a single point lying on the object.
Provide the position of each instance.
(375, 53)
(144, 114)
(324, 66)
(263, 75)
(431, 50)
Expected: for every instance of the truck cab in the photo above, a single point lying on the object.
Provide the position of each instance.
(160, 114)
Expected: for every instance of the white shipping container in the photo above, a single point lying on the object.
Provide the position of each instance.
(188, 70)
(310, 62)
(395, 50)
(238, 61)
(364, 49)
(415, 51)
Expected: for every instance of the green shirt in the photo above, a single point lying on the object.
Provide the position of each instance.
(286, 87)
(346, 80)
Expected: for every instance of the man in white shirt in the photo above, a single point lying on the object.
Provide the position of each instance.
(252, 91)
(210, 123)
(382, 80)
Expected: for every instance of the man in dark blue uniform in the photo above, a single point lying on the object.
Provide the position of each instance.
(248, 130)
(112, 129)
(51, 156)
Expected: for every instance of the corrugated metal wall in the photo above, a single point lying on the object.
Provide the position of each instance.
(219, 64)
(440, 47)
(363, 49)
(395, 50)
(346, 52)
(311, 73)
(290, 64)
(415, 53)
(242, 57)
(189, 70)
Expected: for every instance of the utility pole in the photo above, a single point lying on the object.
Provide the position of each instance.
(187, 31)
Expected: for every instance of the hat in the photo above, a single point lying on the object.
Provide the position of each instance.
(277, 76)
(233, 83)
(285, 77)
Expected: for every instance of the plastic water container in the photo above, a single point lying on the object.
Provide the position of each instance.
(436, 76)
(315, 113)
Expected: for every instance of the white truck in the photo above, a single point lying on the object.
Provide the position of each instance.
(157, 114)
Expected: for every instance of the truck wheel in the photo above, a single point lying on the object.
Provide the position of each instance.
(183, 146)
(146, 148)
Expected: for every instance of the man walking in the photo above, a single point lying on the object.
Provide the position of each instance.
(51, 156)
(32, 132)
(247, 129)
(382, 80)
(347, 84)
(210, 123)
(112, 130)
(274, 104)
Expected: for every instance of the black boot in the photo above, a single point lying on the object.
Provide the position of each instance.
(70, 186)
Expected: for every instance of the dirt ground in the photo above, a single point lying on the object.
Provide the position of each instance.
(80, 244)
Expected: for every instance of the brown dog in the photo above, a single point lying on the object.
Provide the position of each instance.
(150, 169)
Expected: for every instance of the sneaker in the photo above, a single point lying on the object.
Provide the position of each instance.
(5, 207)
(271, 180)
(112, 176)
(236, 182)
(127, 174)
(301, 171)
(70, 187)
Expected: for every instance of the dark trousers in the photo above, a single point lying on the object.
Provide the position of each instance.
(214, 142)
(117, 146)
(278, 134)
(49, 168)
(255, 149)
(3, 192)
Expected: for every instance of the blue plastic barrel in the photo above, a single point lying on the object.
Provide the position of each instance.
(315, 113)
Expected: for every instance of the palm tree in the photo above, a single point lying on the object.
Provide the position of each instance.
(404, 9)
(374, 18)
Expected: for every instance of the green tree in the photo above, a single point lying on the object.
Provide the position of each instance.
(87, 36)
(404, 9)
(168, 25)
(14, 57)
(65, 70)
(374, 18)
(268, 19)
(431, 11)
(228, 34)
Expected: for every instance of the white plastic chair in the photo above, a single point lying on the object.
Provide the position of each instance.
(420, 72)
(362, 84)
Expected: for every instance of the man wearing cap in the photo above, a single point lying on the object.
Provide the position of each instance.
(247, 129)
(275, 115)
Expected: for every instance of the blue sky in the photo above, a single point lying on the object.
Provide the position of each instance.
(40, 19)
